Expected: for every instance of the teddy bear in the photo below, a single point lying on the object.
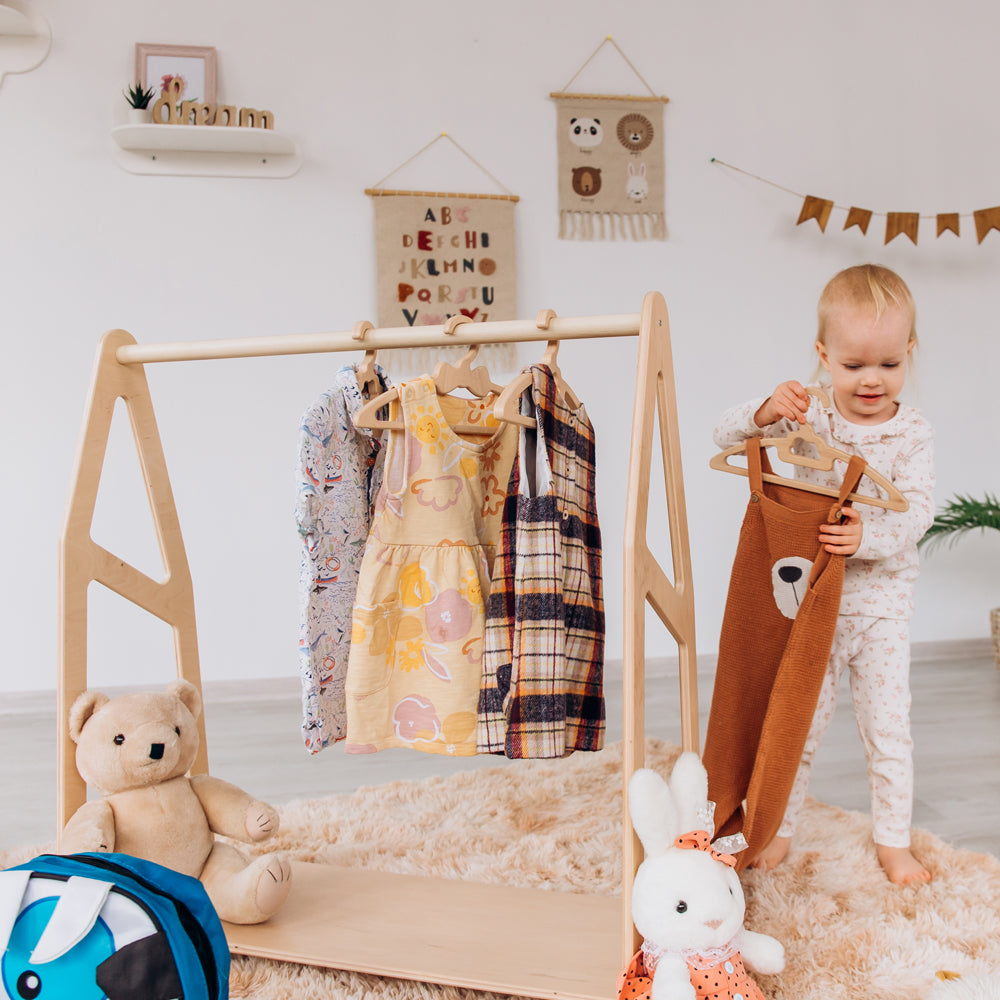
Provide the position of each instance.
(136, 750)
(687, 900)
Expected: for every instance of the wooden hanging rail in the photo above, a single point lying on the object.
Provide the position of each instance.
(385, 338)
(558, 945)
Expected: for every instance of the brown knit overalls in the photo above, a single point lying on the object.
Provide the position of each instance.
(781, 612)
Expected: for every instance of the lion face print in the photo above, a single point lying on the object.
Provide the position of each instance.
(634, 132)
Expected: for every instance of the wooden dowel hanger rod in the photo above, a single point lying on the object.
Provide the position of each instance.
(499, 332)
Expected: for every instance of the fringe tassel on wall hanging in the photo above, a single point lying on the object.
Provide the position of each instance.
(611, 163)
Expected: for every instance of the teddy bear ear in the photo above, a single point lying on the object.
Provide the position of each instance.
(188, 694)
(82, 709)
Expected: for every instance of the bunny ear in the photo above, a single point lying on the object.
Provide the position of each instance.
(654, 816)
(689, 786)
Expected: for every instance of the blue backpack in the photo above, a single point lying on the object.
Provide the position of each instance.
(95, 926)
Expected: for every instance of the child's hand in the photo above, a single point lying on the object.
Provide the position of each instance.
(843, 539)
(789, 401)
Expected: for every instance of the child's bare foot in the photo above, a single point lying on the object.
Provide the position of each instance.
(772, 855)
(900, 865)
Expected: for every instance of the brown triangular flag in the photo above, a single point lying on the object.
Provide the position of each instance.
(947, 222)
(906, 223)
(859, 217)
(986, 219)
(815, 208)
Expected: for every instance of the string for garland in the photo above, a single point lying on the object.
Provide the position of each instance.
(444, 135)
(781, 187)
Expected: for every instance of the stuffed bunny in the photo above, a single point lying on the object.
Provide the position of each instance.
(687, 901)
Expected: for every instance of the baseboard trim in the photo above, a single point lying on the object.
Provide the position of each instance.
(260, 689)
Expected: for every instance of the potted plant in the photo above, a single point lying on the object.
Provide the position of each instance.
(958, 516)
(138, 98)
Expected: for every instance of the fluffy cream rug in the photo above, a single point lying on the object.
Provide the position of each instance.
(848, 933)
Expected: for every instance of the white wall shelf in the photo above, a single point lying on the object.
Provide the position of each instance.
(25, 37)
(205, 151)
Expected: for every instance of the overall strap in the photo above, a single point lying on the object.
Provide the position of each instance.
(757, 463)
(855, 470)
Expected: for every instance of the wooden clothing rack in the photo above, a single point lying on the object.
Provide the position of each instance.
(554, 944)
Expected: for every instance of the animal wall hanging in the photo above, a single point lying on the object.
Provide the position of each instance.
(611, 163)
(896, 223)
(441, 254)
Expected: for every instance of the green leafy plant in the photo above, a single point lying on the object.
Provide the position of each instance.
(960, 515)
(137, 96)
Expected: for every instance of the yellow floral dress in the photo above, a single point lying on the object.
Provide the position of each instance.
(417, 633)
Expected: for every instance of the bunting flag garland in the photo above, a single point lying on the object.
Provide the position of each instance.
(896, 223)
(611, 162)
(441, 254)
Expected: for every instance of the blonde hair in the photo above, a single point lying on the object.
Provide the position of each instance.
(866, 285)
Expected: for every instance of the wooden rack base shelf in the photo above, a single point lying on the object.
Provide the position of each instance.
(555, 944)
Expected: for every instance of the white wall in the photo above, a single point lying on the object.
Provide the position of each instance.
(889, 106)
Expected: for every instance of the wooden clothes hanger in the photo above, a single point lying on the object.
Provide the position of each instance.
(508, 406)
(368, 380)
(447, 378)
(826, 456)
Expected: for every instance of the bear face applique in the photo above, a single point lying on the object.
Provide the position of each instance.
(789, 581)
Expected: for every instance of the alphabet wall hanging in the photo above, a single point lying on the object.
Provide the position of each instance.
(442, 254)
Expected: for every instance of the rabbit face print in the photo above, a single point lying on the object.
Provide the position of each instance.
(637, 187)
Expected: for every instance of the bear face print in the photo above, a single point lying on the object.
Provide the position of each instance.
(789, 580)
(586, 132)
(586, 181)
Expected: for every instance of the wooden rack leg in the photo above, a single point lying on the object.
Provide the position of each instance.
(81, 560)
(645, 580)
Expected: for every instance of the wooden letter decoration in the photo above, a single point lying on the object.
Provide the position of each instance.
(815, 208)
(168, 99)
(860, 217)
(196, 113)
(226, 114)
(947, 222)
(254, 118)
(986, 219)
(906, 223)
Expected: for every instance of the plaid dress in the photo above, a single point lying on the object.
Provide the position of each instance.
(542, 693)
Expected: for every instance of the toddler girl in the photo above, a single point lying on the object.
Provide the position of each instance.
(866, 335)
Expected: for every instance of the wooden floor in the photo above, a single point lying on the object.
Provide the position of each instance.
(254, 742)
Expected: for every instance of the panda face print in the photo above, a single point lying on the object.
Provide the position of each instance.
(789, 580)
(586, 132)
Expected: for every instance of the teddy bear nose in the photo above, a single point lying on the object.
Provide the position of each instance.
(156, 751)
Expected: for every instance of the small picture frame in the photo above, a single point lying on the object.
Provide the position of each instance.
(155, 65)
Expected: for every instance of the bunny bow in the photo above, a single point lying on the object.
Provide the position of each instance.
(699, 840)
